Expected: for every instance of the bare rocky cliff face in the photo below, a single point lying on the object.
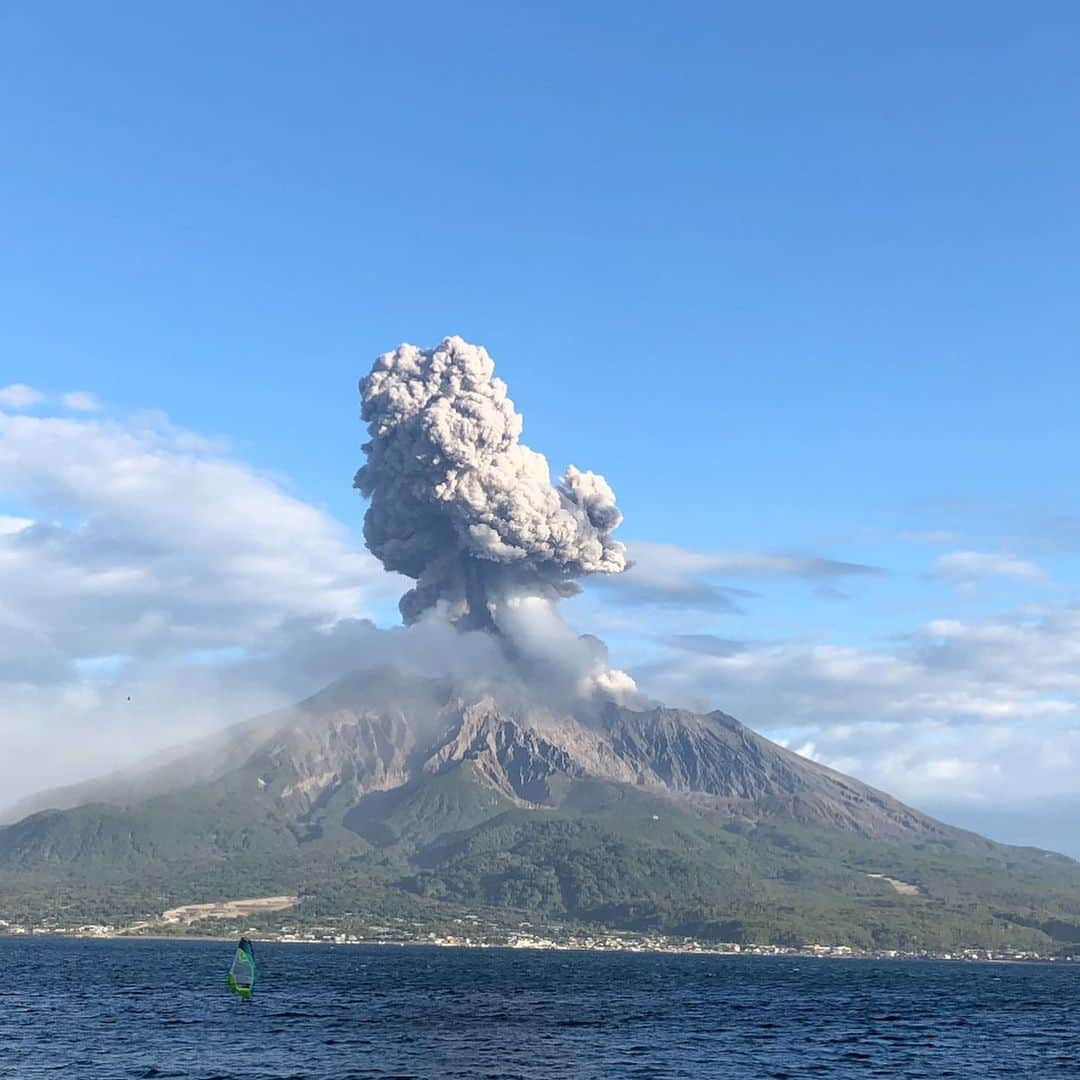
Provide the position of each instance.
(377, 731)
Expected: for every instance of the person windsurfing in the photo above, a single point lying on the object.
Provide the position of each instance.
(242, 972)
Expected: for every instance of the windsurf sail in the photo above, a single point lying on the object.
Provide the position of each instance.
(242, 972)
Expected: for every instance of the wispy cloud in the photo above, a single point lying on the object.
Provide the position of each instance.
(666, 574)
(688, 593)
(970, 567)
(80, 401)
(20, 396)
(707, 644)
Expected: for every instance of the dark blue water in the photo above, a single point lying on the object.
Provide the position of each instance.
(160, 1009)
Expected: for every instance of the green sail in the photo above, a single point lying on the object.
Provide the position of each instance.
(242, 972)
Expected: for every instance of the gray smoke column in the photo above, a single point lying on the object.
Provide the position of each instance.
(459, 504)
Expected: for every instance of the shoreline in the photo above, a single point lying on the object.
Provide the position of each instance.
(749, 952)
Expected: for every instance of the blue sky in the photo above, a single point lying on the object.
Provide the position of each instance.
(800, 282)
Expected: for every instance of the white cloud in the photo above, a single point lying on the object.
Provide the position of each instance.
(969, 567)
(138, 547)
(979, 713)
(1023, 665)
(972, 778)
(161, 546)
(13, 524)
(19, 396)
(80, 401)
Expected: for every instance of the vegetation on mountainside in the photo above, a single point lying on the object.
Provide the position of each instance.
(610, 855)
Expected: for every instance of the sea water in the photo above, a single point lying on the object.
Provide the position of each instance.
(112, 1009)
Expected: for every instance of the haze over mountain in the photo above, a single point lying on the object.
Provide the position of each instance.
(379, 730)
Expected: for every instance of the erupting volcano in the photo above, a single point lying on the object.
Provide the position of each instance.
(486, 755)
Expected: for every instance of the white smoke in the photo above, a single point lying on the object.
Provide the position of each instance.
(459, 504)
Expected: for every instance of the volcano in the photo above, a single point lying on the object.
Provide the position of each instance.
(392, 793)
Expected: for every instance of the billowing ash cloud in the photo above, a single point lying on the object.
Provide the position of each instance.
(463, 507)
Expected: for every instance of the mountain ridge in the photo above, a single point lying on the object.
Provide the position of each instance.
(405, 791)
(374, 731)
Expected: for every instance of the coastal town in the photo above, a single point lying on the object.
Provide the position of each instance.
(474, 932)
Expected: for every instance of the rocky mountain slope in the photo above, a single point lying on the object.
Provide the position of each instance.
(384, 789)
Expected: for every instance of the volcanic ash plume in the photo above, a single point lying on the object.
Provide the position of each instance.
(459, 504)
